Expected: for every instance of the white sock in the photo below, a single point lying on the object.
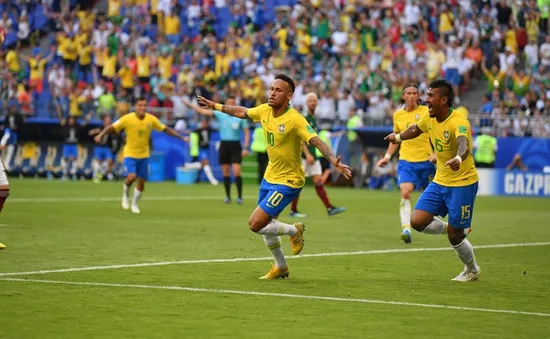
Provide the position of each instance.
(74, 167)
(137, 196)
(465, 252)
(125, 189)
(274, 245)
(193, 165)
(96, 167)
(208, 171)
(275, 227)
(10, 151)
(104, 167)
(437, 226)
(65, 166)
(405, 213)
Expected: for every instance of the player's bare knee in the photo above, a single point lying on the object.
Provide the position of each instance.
(455, 235)
(318, 180)
(418, 221)
(255, 224)
(130, 178)
(406, 194)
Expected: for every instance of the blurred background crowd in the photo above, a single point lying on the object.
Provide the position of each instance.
(66, 58)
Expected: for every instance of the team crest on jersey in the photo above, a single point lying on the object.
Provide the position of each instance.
(281, 128)
(446, 134)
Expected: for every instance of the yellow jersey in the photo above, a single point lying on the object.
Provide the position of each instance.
(37, 68)
(413, 150)
(126, 77)
(165, 66)
(443, 136)
(143, 66)
(171, 25)
(284, 136)
(138, 133)
(13, 61)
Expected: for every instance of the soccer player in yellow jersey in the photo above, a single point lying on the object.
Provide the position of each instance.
(454, 188)
(284, 130)
(138, 127)
(415, 168)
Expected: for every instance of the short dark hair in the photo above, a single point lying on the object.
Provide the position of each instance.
(141, 99)
(288, 80)
(445, 89)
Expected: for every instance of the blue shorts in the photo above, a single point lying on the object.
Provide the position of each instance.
(417, 173)
(274, 198)
(204, 154)
(458, 202)
(453, 76)
(14, 136)
(103, 153)
(70, 151)
(139, 167)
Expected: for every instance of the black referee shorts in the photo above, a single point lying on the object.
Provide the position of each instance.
(230, 152)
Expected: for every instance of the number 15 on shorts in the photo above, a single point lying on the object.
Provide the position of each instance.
(466, 214)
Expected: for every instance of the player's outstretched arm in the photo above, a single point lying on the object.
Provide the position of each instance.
(392, 148)
(106, 130)
(201, 110)
(463, 151)
(410, 133)
(236, 111)
(172, 132)
(326, 151)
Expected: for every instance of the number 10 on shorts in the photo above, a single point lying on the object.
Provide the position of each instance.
(275, 198)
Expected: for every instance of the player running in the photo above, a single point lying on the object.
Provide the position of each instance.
(312, 165)
(415, 168)
(454, 188)
(285, 129)
(104, 153)
(138, 127)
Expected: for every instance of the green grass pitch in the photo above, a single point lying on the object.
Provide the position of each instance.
(362, 282)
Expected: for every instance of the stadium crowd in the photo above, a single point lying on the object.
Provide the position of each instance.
(356, 55)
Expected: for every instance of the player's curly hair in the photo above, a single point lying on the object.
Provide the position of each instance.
(288, 80)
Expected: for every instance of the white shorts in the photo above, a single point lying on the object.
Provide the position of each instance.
(312, 170)
(3, 176)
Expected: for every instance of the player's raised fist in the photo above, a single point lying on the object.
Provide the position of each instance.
(205, 102)
(391, 138)
(454, 163)
(382, 162)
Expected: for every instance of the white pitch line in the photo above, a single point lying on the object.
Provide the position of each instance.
(313, 255)
(150, 198)
(283, 295)
(93, 199)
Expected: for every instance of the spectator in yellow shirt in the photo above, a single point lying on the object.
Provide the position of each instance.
(76, 99)
(165, 62)
(85, 59)
(37, 66)
(126, 78)
(172, 28)
(12, 61)
(109, 68)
